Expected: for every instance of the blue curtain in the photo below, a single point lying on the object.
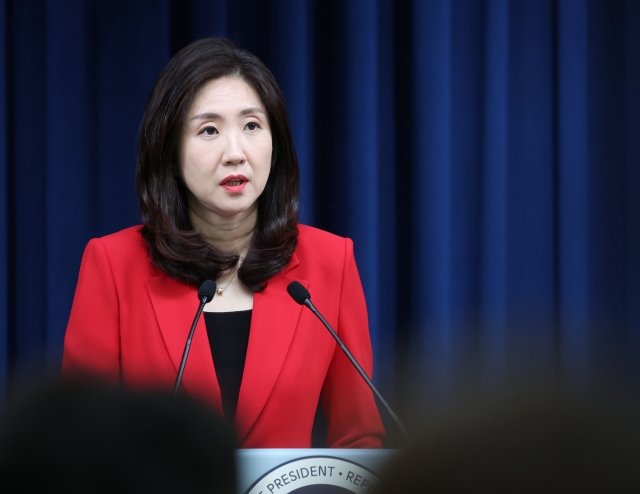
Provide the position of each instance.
(483, 155)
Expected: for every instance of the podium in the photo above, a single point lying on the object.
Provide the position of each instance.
(318, 471)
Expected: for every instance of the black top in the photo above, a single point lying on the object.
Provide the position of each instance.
(229, 337)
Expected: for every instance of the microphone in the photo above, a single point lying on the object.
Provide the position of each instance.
(302, 296)
(205, 295)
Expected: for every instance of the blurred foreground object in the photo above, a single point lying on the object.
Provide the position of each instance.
(535, 444)
(77, 437)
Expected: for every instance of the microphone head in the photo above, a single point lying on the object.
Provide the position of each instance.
(298, 293)
(208, 290)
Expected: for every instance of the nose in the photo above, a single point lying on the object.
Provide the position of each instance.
(234, 152)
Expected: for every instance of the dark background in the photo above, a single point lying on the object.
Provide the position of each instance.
(483, 155)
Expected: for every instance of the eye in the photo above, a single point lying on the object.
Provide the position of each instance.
(252, 126)
(209, 131)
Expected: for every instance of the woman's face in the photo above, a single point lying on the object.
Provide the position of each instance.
(225, 151)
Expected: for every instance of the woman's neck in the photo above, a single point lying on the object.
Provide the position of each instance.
(227, 234)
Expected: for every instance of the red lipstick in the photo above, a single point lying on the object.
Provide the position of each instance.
(234, 183)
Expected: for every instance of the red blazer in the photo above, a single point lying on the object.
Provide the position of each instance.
(129, 322)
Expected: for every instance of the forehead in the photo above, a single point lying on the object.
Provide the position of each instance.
(225, 93)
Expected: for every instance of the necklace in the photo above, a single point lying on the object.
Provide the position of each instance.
(220, 289)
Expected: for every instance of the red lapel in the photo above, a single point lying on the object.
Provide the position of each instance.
(175, 306)
(273, 324)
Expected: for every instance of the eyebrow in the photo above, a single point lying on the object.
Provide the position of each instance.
(215, 116)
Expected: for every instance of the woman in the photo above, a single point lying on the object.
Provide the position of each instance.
(218, 187)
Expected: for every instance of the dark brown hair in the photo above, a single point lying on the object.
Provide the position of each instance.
(175, 247)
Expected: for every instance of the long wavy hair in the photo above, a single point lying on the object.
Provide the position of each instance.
(175, 246)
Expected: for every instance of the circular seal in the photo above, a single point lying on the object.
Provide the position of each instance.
(316, 475)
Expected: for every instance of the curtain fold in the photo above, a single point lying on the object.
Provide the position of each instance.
(573, 180)
(432, 189)
(484, 156)
(5, 294)
(27, 107)
(494, 184)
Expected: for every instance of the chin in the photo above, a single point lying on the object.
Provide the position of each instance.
(235, 211)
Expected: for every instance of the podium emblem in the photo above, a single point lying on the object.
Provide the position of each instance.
(316, 475)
